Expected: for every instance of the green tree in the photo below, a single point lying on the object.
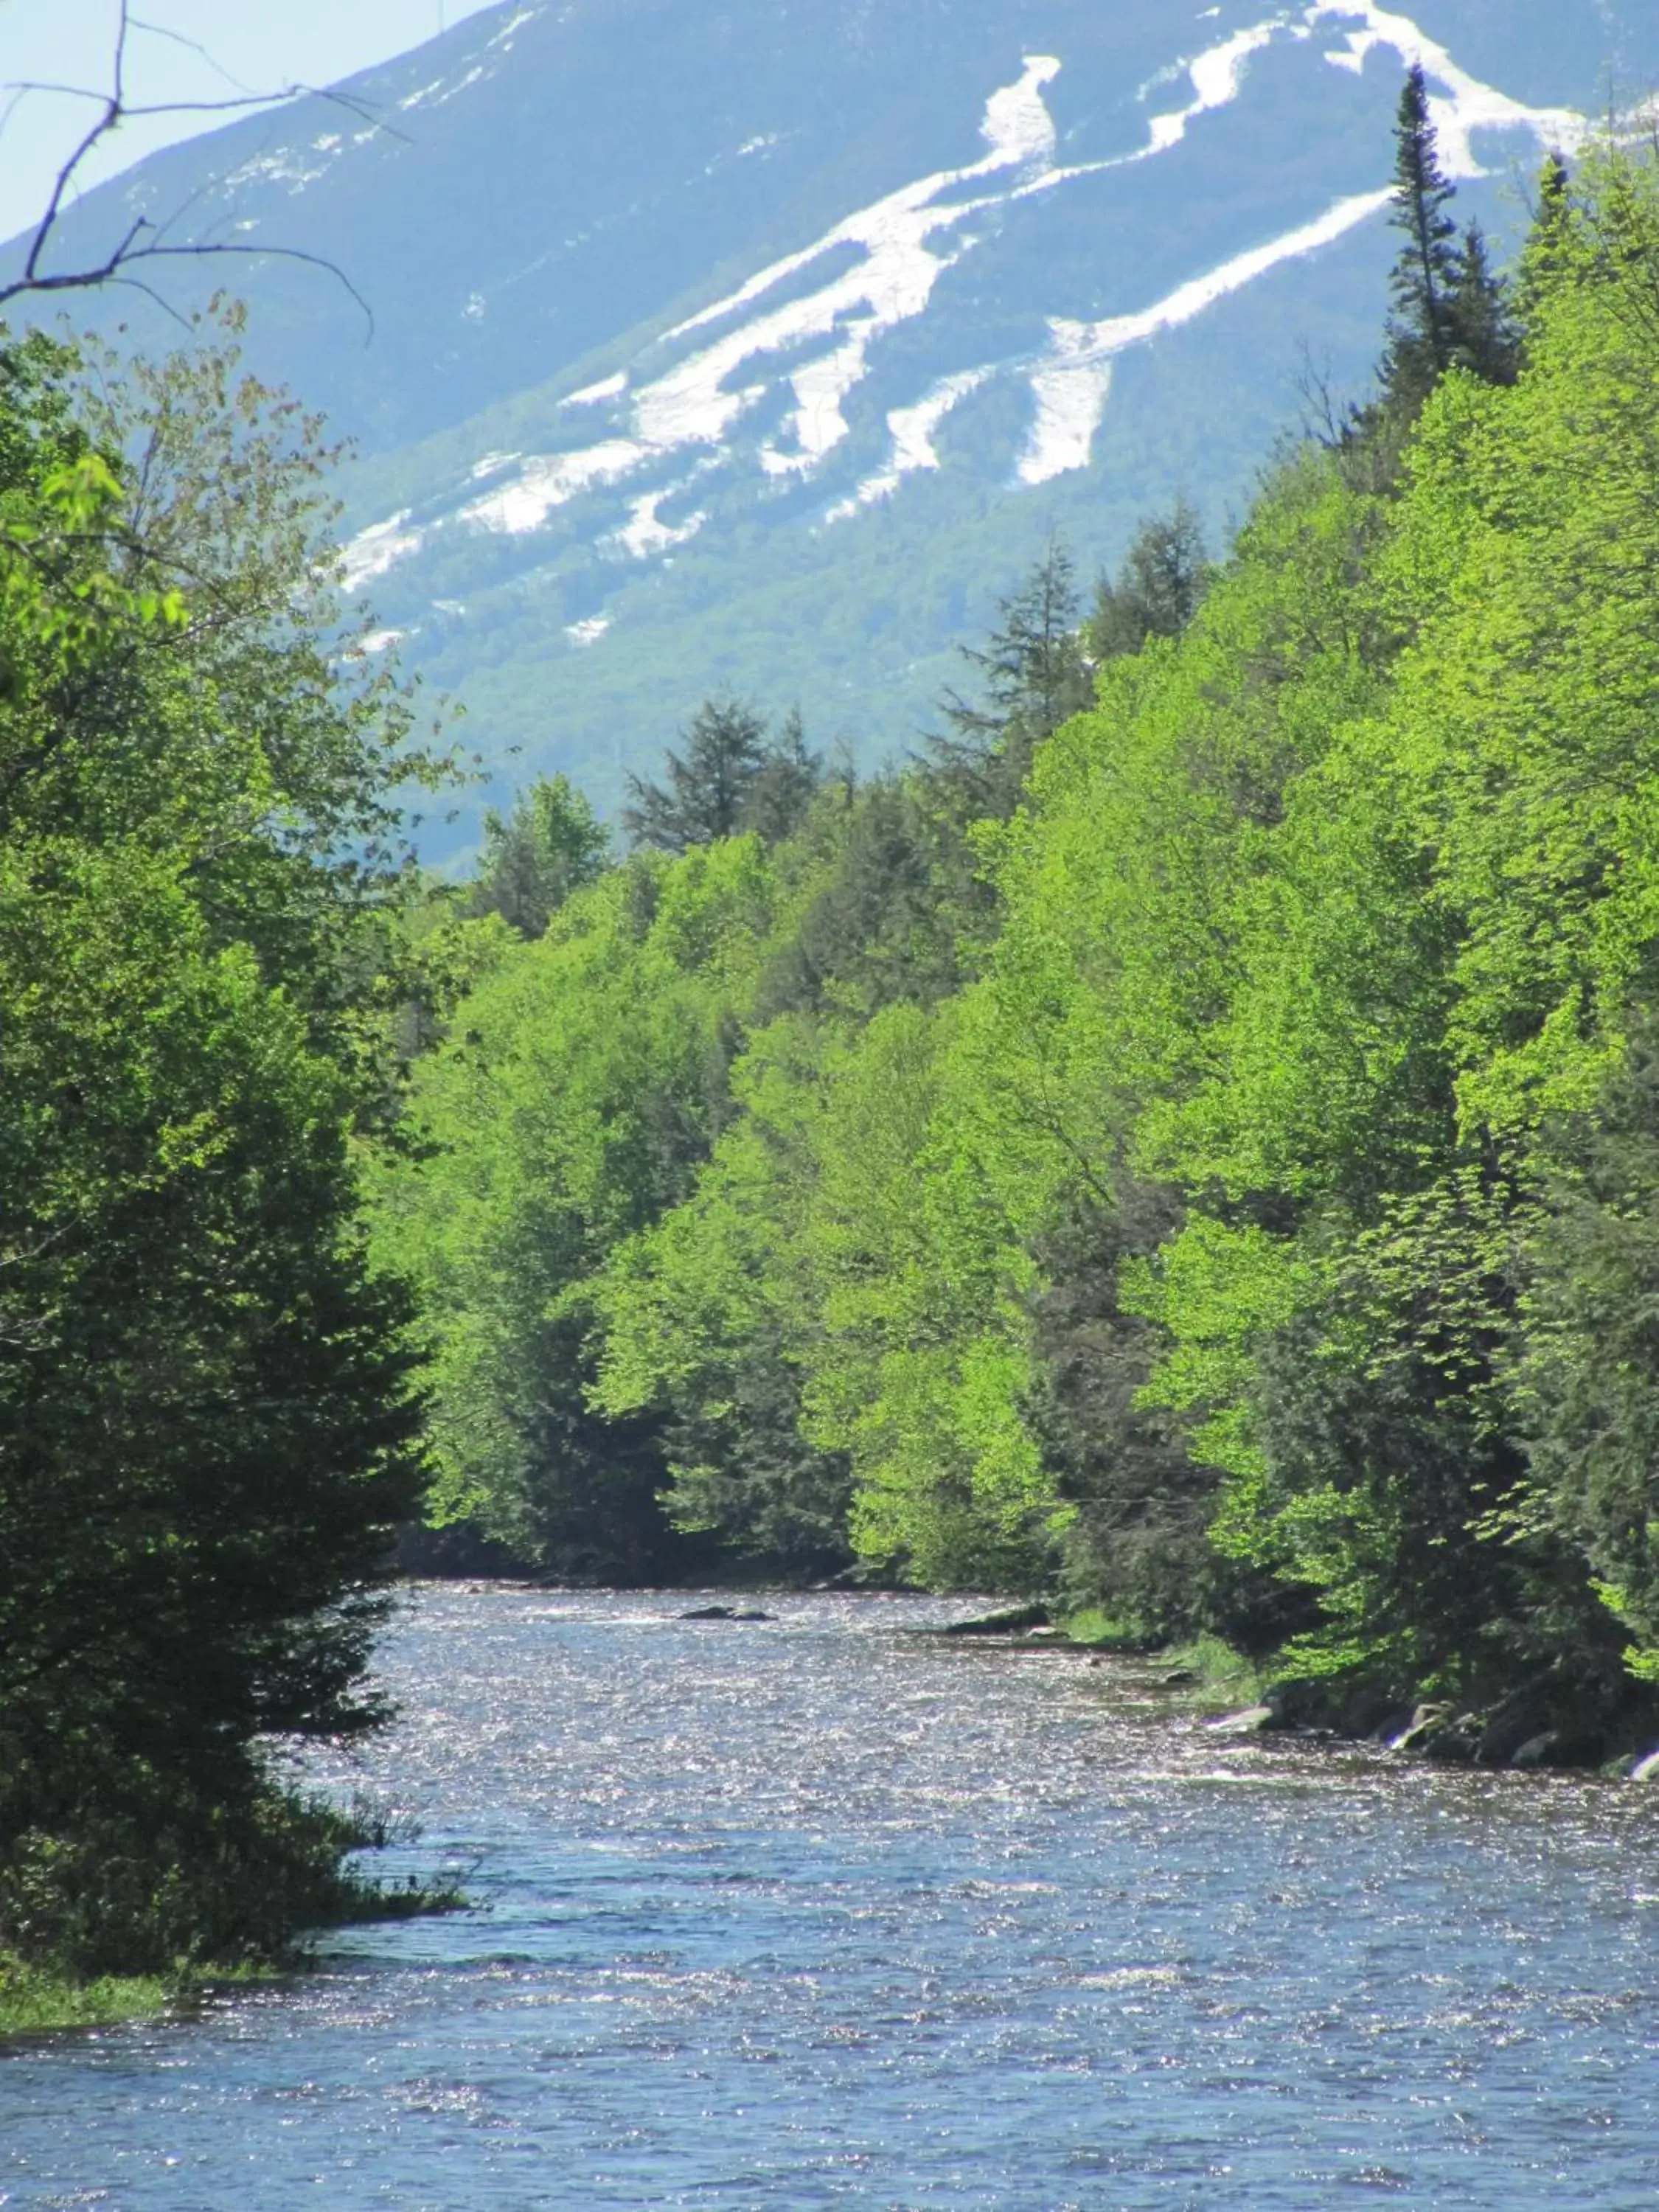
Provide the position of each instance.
(1032, 675)
(1449, 308)
(548, 844)
(579, 1087)
(709, 786)
(1548, 253)
(877, 921)
(1157, 590)
(784, 785)
(1422, 340)
(1488, 336)
(209, 1411)
(711, 1317)
(208, 1426)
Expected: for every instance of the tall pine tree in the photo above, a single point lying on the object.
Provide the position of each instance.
(1422, 324)
(1546, 259)
(785, 784)
(1485, 336)
(1450, 309)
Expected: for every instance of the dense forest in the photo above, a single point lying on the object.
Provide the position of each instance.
(1185, 1145)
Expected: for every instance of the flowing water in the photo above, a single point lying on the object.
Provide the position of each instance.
(818, 1912)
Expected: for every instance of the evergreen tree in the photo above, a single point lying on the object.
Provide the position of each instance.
(549, 844)
(1486, 336)
(1450, 309)
(1422, 341)
(876, 930)
(1034, 677)
(1158, 589)
(708, 786)
(209, 1413)
(1544, 262)
(784, 785)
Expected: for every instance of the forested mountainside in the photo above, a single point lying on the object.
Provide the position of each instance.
(1188, 1141)
(747, 346)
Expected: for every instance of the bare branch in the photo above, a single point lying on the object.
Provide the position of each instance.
(127, 253)
(194, 46)
(297, 89)
(1325, 418)
(137, 284)
(158, 107)
(145, 241)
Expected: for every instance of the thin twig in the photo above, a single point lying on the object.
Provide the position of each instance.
(129, 252)
(195, 46)
(145, 241)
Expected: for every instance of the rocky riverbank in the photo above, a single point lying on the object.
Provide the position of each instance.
(1547, 1721)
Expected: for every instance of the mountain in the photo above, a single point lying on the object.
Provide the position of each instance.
(760, 344)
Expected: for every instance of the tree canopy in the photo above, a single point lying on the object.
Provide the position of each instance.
(209, 1409)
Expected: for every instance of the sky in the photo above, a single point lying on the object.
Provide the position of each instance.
(192, 50)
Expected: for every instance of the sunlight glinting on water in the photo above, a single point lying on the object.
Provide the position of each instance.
(817, 1911)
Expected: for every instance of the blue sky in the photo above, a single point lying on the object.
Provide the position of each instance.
(256, 46)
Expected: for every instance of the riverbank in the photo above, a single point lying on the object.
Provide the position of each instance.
(34, 2001)
(1547, 1723)
(39, 2000)
(1542, 1724)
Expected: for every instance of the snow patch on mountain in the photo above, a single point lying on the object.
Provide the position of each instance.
(646, 533)
(515, 23)
(289, 166)
(1064, 425)
(697, 402)
(544, 483)
(1071, 394)
(1020, 132)
(608, 387)
(1017, 126)
(912, 431)
(377, 549)
(1217, 75)
(460, 85)
(879, 269)
(1463, 105)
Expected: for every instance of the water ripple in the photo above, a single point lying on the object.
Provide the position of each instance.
(816, 1911)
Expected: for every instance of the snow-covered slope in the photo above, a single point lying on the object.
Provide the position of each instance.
(763, 347)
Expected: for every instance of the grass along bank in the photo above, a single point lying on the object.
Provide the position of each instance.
(36, 2002)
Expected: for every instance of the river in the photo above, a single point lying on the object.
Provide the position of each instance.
(818, 1912)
